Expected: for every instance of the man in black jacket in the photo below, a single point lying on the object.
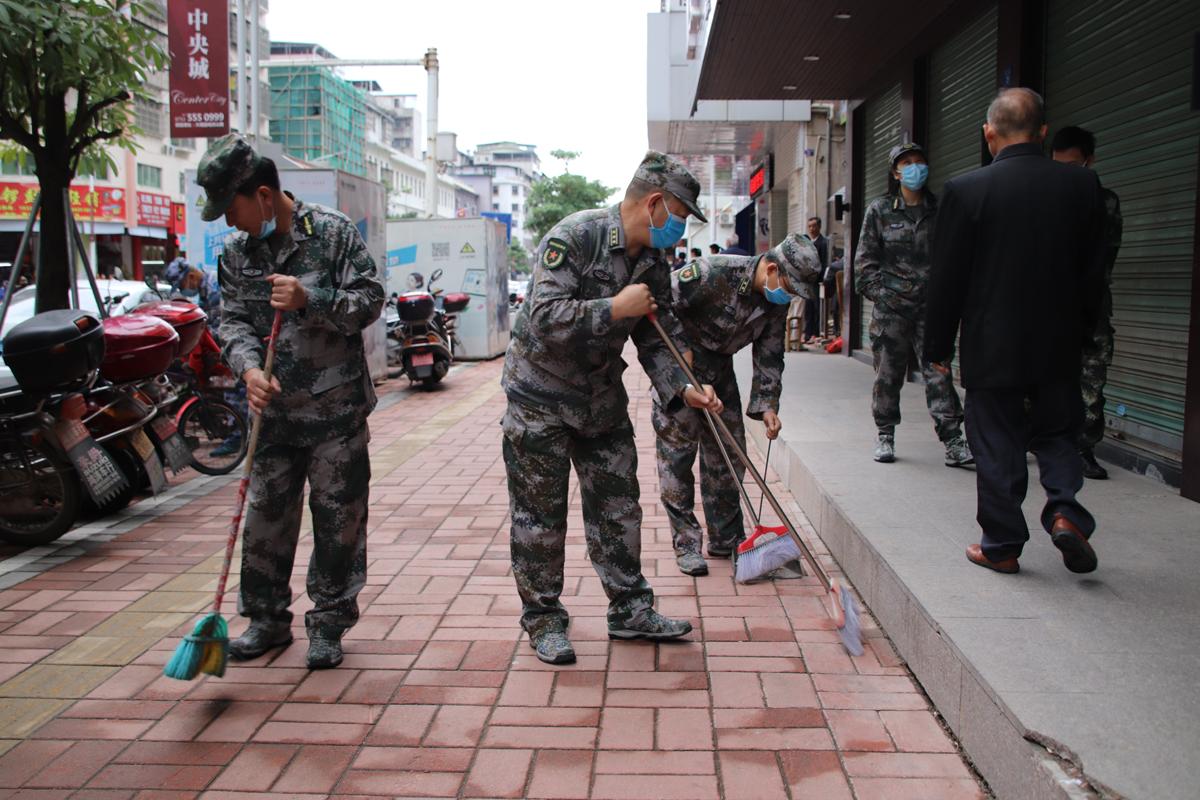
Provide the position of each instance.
(1018, 260)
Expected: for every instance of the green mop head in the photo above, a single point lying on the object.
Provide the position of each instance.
(205, 650)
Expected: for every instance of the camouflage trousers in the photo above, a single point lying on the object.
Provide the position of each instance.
(894, 338)
(539, 449)
(1097, 356)
(680, 433)
(338, 474)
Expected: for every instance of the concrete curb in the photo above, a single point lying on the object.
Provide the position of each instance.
(991, 736)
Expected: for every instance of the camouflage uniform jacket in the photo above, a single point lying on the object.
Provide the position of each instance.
(319, 358)
(1114, 226)
(891, 266)
(715, 301)
(565, 353)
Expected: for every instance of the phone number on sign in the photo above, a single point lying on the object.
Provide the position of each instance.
(193, 116)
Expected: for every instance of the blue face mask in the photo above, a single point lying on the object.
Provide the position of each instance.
(268, 227)
(778, 295)
(671, 231)
(913, 176)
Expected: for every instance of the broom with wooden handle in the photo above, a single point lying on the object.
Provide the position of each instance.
(769, 550)
(206, 649)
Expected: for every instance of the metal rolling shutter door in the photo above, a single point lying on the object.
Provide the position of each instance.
(882, 134)
(1123, 71)
(962, 82)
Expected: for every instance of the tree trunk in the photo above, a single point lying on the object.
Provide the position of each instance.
(54, 175)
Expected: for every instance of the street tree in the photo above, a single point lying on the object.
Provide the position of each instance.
(69, 71)
(518, 258)
(551, 199)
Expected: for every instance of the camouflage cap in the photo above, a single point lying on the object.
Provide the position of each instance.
(901, 149)
(229, 162)
(660, 170)
(799, 259)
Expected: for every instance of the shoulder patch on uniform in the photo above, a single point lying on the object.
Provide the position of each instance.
(307, 222)
(556, 253)
(689, 273)
(614, 237)
(744, 286)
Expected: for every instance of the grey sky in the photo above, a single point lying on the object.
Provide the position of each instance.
(562, 74)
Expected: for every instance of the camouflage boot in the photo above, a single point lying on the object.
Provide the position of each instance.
(324, 650)
(691, 563)
(958, 453)
(552, 645)
(261, 636)
(648, 625)
(885, 448)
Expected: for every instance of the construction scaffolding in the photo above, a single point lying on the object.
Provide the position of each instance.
(317, 116)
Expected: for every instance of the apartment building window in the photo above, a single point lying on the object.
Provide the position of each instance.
(516, 207)
(149, 176)
(495, 206)
(11, 165)
(516, 190)
(149, 116)
(495, 191)
(99, 172)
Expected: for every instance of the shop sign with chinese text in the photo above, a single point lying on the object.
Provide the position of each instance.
(102, 204)
(198, 38)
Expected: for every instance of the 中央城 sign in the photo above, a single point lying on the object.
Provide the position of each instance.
(198, 39)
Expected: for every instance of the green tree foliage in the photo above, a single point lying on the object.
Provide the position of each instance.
(69, 70)
(551, 199)
(518, 258)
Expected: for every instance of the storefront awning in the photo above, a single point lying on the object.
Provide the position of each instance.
(819, 49)
(101, 228)
(149, 232)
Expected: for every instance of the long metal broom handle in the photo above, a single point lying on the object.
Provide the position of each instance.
(741, 454)
(729, 463)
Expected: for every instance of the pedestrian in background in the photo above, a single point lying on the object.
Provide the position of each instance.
(310, 262)
(892, 270)
(725, 303)
(812, 298)
(596, 276)
(714, 249)
(697, 253)
(1026, 304)
(1074, 145)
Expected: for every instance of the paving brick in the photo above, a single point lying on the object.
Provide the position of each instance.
(527, 689)
(783, 690)
(402, 725)
(684, 729)
(548, 717)
(256, 767)
(655, 762)
(815, 774)
(916, 732)
(238, 723)
(859, 730)
(538, 738)
(399, 782)
(181, 753)
(751, 775)
(27, 759)
(311, 733)
(905, 765)
(561, 775)
(917, 789)
(456, 726)
(655, 787)
(626, 729)
(130, 776)
(499, 773)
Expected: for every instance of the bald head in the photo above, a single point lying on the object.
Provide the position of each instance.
(1015, 116)
(1016, 113)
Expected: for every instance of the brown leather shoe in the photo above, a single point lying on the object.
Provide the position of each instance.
(1008, 566)
(1077, 552)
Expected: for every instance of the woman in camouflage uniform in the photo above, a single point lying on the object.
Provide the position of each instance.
(891, 270)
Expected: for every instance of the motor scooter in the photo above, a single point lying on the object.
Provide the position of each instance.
(425, 347)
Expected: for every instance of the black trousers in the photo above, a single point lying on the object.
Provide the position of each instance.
(1001, 425)
(812, 314)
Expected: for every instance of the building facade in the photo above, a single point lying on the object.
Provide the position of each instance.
(1127, 72)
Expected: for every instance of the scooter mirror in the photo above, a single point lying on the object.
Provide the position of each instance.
(435, 275)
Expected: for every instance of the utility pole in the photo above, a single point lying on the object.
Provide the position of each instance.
(431, 161)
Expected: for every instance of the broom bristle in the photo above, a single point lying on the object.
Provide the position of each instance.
(851, 632)
(770, 555)
(205, 649)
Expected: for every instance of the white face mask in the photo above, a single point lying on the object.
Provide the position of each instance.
(268, 225)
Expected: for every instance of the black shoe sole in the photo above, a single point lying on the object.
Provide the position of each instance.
(318, 665)
(250, 655)
(561, 658)
(654, 637)
(1078, 555)
(719, 554)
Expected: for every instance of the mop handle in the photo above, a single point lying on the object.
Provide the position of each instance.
(729, 464)
(741, 454)
(766, 469)
(244, 484)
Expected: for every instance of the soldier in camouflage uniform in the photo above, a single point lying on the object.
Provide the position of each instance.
(1074, 145)
(596, 274)
(891, 269)
(310, 262)
(724, 304)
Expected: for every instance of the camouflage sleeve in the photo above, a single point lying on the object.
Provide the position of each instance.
(768, 369)
(241, 347)
(868, 255)
(560, 318)
(355, 300)
(668, 379)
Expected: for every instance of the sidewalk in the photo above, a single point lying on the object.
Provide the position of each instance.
(1099, 670)
(439, 695)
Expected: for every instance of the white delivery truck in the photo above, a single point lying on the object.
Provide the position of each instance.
(362, 200)
(473, 258)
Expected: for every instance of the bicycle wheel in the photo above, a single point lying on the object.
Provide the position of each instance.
(217, 434)
(40, 496)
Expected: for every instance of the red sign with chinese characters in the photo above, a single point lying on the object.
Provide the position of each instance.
(179, 214)
(104, 204)
(198, 38)
(153, 209)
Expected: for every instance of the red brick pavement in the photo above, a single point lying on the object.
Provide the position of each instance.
(440, 695)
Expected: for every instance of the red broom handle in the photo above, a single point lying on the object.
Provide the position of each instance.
(243, 486)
